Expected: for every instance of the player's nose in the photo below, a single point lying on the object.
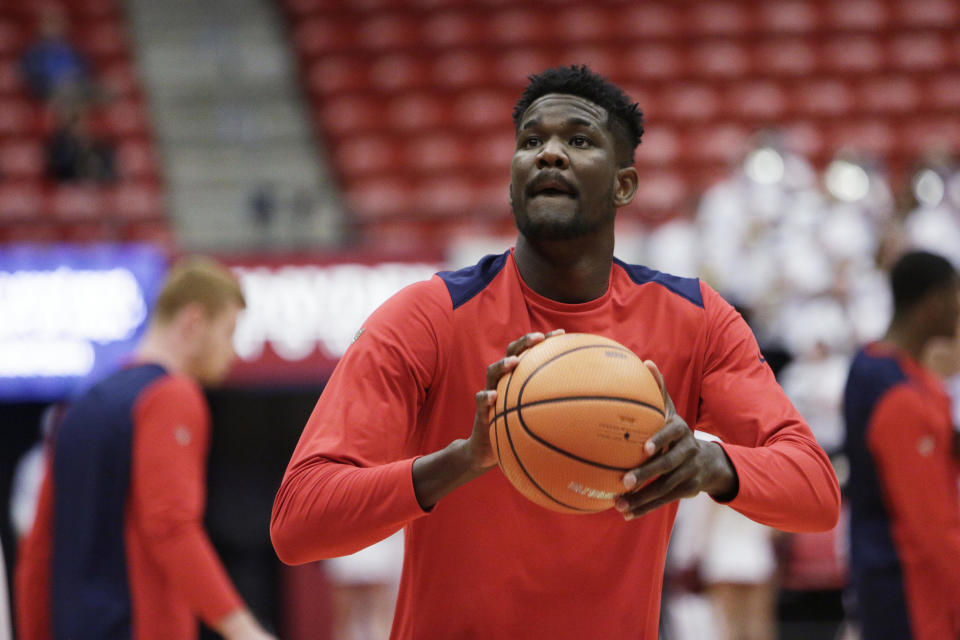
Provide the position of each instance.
(552, 155)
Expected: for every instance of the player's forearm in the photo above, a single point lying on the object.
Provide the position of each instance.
(326, 508)
(437, 474)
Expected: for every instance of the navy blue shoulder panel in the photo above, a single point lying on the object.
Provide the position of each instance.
(469, 281)
(90, 595)
(686, 288)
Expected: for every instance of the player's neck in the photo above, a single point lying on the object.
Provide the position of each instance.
(569, 271)
(906, 338)
(159, 347)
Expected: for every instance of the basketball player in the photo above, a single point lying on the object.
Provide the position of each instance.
(390, 442)
(118, 549)
(904, 503)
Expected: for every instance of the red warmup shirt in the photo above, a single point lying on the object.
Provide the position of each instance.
(485, 562)
(160, 573)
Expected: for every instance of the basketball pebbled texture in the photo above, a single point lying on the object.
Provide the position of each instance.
(572, 418)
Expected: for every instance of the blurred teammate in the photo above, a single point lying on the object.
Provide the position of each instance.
(118, 548)
(904, 505)
(390, 444)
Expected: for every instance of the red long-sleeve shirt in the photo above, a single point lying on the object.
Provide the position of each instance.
(485, 562)
(136, 558)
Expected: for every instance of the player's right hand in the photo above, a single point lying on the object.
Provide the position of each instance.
(478, 444)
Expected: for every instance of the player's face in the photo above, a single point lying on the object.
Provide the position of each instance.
(216, 351)
(564, 174)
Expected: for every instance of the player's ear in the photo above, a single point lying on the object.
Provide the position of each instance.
(625, 188)
(192, 317)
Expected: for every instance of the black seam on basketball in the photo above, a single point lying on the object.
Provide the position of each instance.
(641, 403)
(552, 446)
(506, 427)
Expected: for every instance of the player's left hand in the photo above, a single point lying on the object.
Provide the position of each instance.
(679, 465)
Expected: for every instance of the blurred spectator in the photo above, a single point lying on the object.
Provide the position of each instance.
(364, 589)
(53, 68)
(934, 225)
(74, 154)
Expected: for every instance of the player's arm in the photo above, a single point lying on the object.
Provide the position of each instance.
(783, 478)
(350, 481)
(32, 571)
(437, 474)
(916, 474)
(170, 442)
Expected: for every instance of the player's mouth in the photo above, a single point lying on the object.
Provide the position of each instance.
(551, 187)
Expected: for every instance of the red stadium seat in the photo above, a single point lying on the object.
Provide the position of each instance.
(135, 200)
(873, 137)
(484, 109)
(652, 61)
(136, 160)
(823, 98)
(338, 73)
(20, 200)
(804, 137)
(432, 153)
(758, 100)
(444, 196)
(346, 115)
(101, 38)
(661, 191)
(718, 18)
(721, 59)
(123, 119)
(415, 111)
(359, 156)
(321, 35)
(585, 23)
(647, 20)
(867, 15)
(389, 31)
(452, 28)
(17, 118)
(29, 231)
(119, 78)
(11, 37)
(691, 101)
(788, 16)
(928, 13)
(852, 54)
(89, 231)
(659, 147)
(919, 52)
(22, 158)
(461, 68)
(785, 57)
(944, 92)
(378, 199)
(72, 202)
(9, 75)
(516, 65)
(397, 72)
(521, 26)
(897, 94)
(723, 143)
(155, 232)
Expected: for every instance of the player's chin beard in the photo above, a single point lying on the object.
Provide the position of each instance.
(576, 226)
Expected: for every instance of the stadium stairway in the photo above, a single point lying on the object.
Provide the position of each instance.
(229, 121)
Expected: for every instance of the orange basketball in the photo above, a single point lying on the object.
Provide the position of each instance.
(572, 418)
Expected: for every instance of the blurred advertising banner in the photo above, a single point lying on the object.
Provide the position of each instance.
(71, 314)
(303, 312)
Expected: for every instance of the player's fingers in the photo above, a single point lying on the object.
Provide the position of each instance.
(525, 342)
(556, 332)
(499, 368)
(667, 400)
(486, 400)
(663, 490)
(670, 447)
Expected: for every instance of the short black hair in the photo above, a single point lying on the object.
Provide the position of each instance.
(624, 118)
(914, 275)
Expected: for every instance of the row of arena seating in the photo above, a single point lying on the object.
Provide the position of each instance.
(33, 207)
(413, 99)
